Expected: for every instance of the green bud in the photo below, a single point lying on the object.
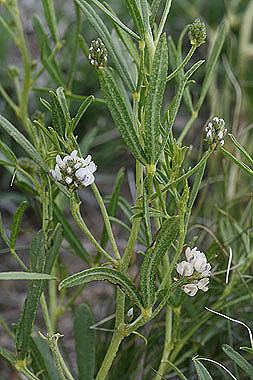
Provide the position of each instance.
(197, 32)
(98, 53)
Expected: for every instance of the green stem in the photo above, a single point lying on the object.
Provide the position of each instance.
(106, 220)
(75, 210)
(168, 345)
(183, 63)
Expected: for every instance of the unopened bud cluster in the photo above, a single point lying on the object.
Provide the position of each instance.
(98, 53)
(197, 32)
(196, 269)
(74, 171)
(216, 131)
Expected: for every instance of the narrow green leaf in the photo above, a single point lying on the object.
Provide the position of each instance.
(239, 360)
(71, 236)
(85, 342)
(7, 152)
(113, 51)
(175, 104)
(58, 117)
(239, 163)
(3, 232)
(154, 9)
(28, 314)
(16, 223)
(50, 17)
(25, 276)
(42, 361)
(63, 102)
(120, 113)
(212, 61)
(154, 99)
(202, 372)
(165, 237)
(53, 251)
(112, 207)
(22, 141)
(146, 12)
(81, 110)
(101, 274)
(174, 63)
(241, 148)
(136, 16)
(196, 185)
(113, 17)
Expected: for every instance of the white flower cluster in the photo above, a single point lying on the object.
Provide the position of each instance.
(74, 171)
(197, 267)
(216, 131)
(98, 53)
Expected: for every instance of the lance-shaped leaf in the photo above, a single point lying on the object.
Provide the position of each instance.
(7, 152)
(120, 113)
(113, 17)
(239, 360)
(22, 141)
(175, 104)
(202, 372)
(101, 274)
(50, 17)
(136, 16)
(58, 117)
(113, 51)
(85, 342)
(16, 223)
(28, 314)
(30, 276)
(165, 237)
(154, 98)
(81, 110)
(42, 361)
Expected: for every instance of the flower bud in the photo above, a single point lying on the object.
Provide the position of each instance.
(197, 32)
(98, 53)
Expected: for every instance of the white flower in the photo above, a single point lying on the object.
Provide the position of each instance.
(216, 131)
(196, 266)
(190, 289)
(200, 262)
(203, 284)
(73, 170)
(185, 269)
(207, 271)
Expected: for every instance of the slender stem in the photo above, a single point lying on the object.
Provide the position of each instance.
(106, 220)
(163, 20)
(187, 127)
(183, 63)
(75, 210)
(9, 100)
(168, 344)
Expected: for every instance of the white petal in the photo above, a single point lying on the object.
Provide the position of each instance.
(203, 284)
(74, 154)
(200, 262)
(92, 167)
(207, 271)
(59, 161)
(86, 161)
(88, 180)
(66, 159)
(56, 173)
(81, 173)
(190, 289)
(185, 269)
